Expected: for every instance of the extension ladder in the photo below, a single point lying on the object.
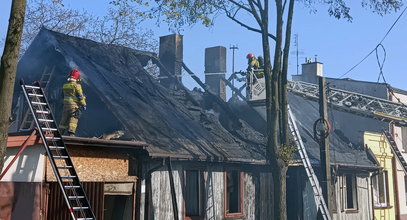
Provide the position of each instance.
(319, 199)
(396, 151)
(28, 119)
(61, 163)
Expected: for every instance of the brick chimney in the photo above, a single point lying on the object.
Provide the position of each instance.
(311, 70)
(171, 56)
(215, 70)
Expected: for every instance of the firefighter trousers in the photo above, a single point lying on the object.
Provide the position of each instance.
(70, 117)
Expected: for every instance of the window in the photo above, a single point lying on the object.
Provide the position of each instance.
(233, 194)
(379, 182)
(194, 194)
(349, 192)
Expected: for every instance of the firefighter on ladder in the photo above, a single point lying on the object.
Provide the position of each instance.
(74, 103)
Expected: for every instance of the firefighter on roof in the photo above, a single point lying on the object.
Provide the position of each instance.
(74, 103)
(252, 62)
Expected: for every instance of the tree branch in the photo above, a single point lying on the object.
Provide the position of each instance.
(254, 13)
(248, 27)
(240, 6)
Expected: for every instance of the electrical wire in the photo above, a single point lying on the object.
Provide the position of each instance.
(375, 49)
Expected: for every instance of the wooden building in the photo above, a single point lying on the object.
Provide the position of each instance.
(184, 153)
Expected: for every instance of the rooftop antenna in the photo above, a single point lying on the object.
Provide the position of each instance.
(296, 45)
(233, 48)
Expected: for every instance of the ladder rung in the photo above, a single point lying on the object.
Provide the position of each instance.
(55, 147)
(79, 208)
(60, 157)
(64, 167)
(72, 187)
(76, 197)
(84, 218)
(32, 87)
(53, 138)
(68, 177)
(45, 120)
(49, 129)
(35, 95)
(41, 112)
(38, 103)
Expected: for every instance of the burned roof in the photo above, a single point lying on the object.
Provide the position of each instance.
(180, 123)
(346, 137)
(121, 95)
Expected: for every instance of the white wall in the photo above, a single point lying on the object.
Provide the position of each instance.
(29, 166)
(400, 172)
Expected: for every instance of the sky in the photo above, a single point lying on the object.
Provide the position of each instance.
(338, 44)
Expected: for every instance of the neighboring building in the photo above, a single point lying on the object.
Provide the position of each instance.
(400, 136)
(359, 124)
(105, 167)
(383, 180)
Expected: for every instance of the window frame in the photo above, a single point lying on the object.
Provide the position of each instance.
(344, 198)
(202, 179)
(385, 177)
(241, 197)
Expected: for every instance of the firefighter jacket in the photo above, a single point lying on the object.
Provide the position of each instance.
(73, 93)
(253, 63)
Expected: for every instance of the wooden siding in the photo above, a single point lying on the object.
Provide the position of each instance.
(257, 194)
(364, 200)
(97, 165)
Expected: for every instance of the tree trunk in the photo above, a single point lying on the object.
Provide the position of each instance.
(284, 73)
(8, 69)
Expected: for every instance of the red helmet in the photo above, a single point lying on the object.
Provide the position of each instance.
(250, 55)
(75, 74)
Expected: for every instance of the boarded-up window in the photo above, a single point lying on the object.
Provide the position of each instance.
(379, 182)
(404, 138)
(118, 201)
(233, 194)
(349, 191)
(194, 194)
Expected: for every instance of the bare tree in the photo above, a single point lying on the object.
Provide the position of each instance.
(8, 68)
(120, 26)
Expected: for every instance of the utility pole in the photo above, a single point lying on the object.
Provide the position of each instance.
(233, 48)
(324, 146)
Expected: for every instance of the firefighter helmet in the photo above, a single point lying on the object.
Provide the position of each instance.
(76, 74)
(250, 55)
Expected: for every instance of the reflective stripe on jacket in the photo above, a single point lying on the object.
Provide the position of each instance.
(73, 93)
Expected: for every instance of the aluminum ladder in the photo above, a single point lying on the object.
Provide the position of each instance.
(319, 199)
(396, 151)
(28, 120)
(61, 163)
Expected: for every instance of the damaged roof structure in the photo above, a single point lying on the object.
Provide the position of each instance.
(185, 124)
(121, 95)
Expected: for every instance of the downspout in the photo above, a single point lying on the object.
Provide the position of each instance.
(395, 177)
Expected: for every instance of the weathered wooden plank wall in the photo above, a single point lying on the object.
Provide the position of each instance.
(256, 201)
(365, 210)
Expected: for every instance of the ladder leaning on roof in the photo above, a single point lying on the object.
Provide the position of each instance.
(61, 163)
(319, 199)
(396, 151)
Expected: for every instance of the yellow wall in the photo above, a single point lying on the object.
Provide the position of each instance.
(382, 151)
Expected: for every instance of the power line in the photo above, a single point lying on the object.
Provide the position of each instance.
(370, 53)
